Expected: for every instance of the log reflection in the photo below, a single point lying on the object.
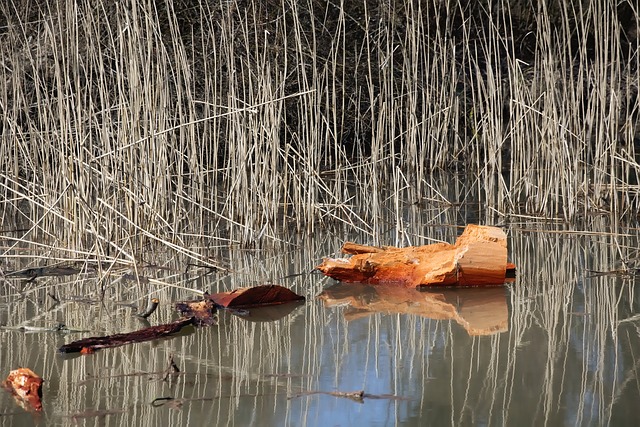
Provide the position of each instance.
(480, 311)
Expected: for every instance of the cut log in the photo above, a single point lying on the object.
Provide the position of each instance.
(479, 311)
(478, 258)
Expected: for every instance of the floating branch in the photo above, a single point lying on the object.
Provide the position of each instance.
(90, 345)
(197, 313)
(356, 396)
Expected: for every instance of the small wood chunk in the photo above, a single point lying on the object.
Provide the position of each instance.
(202, 311)
(26, 387)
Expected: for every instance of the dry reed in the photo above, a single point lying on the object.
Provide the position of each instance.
(238, 121)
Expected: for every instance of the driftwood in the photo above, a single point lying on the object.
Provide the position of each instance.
(356, 396)
(478, 258)
(480, 311)
(198, 313)
(44, 271)
(26, 388)
(90, 345)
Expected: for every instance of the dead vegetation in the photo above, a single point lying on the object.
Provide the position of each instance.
(138, 122)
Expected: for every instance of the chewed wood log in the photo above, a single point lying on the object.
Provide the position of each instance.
(478, 258)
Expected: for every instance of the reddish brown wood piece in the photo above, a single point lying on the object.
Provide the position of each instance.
(26, 387)
(202, 311)
(90, 345)
(255, 296)
(478, 258)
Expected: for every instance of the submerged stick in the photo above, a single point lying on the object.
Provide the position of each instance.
(151, 307)
(197, 313)
(356, 396)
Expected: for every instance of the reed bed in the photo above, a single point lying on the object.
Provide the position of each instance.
(239, 122)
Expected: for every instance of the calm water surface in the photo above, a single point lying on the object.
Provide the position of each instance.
(559, 346)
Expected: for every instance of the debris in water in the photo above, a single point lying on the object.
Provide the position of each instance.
(90, 345)
(172, 370)
(201, 311)
(197, 313)
(35, 272)
(356, 396)
(478, 258)
(26, 387)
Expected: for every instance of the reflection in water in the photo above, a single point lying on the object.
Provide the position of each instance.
(268, 313)
(569, 355)
(481, 311)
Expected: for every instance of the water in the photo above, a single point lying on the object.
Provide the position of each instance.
(560, 345)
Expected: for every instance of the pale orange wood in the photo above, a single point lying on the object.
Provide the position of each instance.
(479, 258)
